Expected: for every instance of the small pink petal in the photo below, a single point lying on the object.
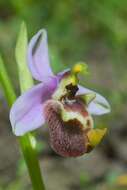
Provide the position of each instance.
(62, 73)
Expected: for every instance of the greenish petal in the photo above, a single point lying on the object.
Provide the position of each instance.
(88, 98)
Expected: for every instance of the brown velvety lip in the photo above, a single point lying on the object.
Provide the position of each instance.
(68, 139)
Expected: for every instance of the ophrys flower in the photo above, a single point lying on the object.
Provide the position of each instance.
(60, 102)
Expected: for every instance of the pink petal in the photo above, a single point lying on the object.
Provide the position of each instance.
(99, 105)
(38, 58)
(27, 112)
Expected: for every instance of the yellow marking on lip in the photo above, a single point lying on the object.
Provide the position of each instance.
(71, 115)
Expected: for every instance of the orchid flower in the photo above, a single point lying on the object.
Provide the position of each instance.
(60, 102)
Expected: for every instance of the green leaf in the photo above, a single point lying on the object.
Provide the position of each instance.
(25, 77)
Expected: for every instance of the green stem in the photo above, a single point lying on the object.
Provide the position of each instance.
(27, 142)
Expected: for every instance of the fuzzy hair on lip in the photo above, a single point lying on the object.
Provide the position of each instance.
(68, 139)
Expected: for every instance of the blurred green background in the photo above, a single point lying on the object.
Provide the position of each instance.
(84, 30)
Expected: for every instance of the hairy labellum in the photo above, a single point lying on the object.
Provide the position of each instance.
(68, 136)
